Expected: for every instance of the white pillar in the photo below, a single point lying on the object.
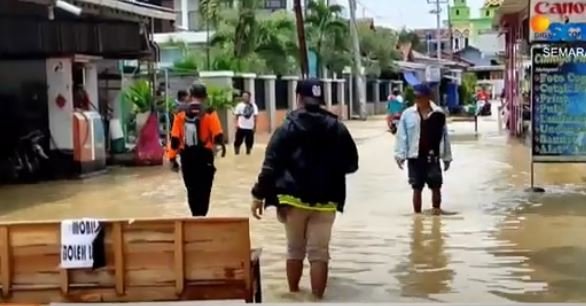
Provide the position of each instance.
(291, 91)
(60, 99)
(270, 100)
(221, 79)
(248, 79)
(377, 100)
(328, 93)
(342, 99)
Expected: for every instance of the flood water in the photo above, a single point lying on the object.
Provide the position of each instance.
(502, 245)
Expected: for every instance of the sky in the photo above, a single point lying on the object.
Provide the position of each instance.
(412, 14)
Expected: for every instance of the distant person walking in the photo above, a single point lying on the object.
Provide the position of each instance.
(394, 108)
(246, 113)
(422, 140)
(304, 176)
(181, 101)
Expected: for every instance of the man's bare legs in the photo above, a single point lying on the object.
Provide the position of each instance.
(436, 201)
(417, 201)
(319, 278)
(294, 273)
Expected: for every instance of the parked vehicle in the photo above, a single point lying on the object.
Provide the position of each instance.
(24, 164)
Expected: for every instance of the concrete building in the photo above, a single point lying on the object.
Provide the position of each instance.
(467, 29)
(428, 38)
(189, 17)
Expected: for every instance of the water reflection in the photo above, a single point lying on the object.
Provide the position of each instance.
(427, 272)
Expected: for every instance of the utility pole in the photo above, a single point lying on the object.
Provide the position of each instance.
(358, 73)
(438, 15)
(451, 32)
(301, 39)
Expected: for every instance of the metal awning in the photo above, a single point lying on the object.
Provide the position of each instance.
(509, 7)
(487, 68)
(131, 7)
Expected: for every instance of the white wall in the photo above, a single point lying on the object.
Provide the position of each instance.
(60, 82)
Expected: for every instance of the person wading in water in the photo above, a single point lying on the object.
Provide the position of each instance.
(195, 134)
(304, 176)
(245, 112)
(422, 140)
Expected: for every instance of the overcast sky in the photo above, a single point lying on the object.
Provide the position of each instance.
(411, 14)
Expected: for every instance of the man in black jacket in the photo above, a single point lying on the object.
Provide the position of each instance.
(304, 176)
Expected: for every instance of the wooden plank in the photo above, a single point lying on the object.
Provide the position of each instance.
(214, 220)
(5, 261)
(118, 245)
(179, 258)
(64, 281)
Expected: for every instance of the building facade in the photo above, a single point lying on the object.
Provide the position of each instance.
(466, 29)
(189, 17)
(428, 39)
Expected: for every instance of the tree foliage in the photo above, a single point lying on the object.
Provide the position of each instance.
(246, 40)
(411, 37)
(328, 35)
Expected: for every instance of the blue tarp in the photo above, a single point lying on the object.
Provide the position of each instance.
(411, 78)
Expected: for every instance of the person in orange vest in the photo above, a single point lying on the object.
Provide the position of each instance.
(195, 135)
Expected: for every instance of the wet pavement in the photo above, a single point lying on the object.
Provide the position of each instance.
(502, 245)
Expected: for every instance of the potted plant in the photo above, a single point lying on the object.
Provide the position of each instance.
(140, 96)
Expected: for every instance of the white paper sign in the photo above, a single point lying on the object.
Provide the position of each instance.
(77, 237)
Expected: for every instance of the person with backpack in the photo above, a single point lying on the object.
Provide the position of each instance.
(304, 176)
(196, 133)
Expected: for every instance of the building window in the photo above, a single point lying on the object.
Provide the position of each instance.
(487, 13)
(194, 21)
(457, 12)
(465, 42)
(275, 4)
(456, 44)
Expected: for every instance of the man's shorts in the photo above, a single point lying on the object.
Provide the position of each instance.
(308, 232)
(422, 172)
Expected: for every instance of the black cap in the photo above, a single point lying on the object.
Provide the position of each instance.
(311, 90)
(198, 91)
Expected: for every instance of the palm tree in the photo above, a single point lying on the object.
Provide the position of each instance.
(276, 43)
(327, 30)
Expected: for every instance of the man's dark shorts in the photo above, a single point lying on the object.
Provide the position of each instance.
(422, 172)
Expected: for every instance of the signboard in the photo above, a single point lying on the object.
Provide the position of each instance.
(80, 247)
(557, 20)
(558, 97)
(433, 74)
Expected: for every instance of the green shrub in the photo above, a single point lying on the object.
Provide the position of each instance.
(220, 98)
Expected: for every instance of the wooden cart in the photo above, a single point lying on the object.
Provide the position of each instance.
(147, 260)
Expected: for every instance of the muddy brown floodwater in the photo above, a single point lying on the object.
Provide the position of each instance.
(502, 245)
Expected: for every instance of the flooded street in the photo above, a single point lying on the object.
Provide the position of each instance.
(502, 245)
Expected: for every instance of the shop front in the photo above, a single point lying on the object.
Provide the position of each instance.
(512, 21)
(51, 56)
